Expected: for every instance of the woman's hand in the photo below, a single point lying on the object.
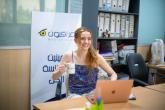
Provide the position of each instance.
(61, 68)
(113, 76)
(59, 71)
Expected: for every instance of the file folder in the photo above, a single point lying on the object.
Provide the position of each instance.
(107, 24)
(108, 4)
(101, 24)
(114, 5)
(131, 26)
(114, 46)
(125, 5)
(104, 4)
(122, 31)
(112, 28)
(117, 25)
(119, 5)
(100, 4)
(127, 26)
(115, 55)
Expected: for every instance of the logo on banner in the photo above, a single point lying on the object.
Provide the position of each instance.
(42, 33)
(55, 34)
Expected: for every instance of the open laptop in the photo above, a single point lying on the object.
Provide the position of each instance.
(112, 91)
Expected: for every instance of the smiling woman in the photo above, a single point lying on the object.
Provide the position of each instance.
(86, 61)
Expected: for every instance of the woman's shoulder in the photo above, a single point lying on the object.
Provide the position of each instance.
(67, 54)
(100, 58)
(70, 56)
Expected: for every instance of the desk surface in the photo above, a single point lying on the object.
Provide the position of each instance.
(147, 99)
(156, 66)
(160, 71)
(158, 87)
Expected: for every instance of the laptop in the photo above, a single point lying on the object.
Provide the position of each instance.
(112, 91)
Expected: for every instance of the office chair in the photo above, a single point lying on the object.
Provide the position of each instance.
(138, 69)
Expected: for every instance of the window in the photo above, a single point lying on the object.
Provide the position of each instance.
(75, 6)
(6, 13)
(24, 9)
(15, 17)
(50, 5)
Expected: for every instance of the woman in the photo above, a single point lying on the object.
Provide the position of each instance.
(87, 61)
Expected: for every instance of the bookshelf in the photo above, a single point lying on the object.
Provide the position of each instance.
(117, 28)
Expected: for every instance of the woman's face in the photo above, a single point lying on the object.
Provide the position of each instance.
(85, 40)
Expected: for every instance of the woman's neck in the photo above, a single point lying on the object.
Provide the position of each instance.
(81, 53)
(81, 56)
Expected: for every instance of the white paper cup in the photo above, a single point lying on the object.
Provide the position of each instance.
(71, 68)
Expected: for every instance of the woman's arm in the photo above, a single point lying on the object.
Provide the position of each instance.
(104, 65)
(59, 71)
(61, 67)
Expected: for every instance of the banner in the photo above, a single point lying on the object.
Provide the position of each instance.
(52, 34)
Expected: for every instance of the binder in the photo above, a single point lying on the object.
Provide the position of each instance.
(114, 5)
(122, 30)
(113, 46)
(127, 26)
(98, 21)
(114, 50)
(101, 24)
(125, 5)
(131, 26)
(108, 4)
(129, 47)
(107, 24)
(123, 53)
(117, 25)
(119, 5)
(104, 4)
(115, 55)
(100, 4)
(112, 28)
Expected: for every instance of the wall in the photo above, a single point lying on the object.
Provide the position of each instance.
(151, 21)
(15, 79)
(145, 51)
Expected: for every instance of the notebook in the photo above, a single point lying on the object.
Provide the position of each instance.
(112, 91)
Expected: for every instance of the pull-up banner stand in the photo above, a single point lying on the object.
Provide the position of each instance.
(52, 34)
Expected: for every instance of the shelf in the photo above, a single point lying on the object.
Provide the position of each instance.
(118, 31)
(117, 38)
(117, 12)
(109, 58)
